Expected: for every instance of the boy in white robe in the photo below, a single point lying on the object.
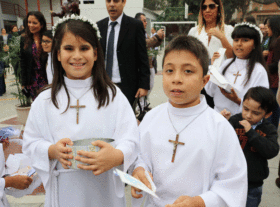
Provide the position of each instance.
(80, 80)
(190, 150)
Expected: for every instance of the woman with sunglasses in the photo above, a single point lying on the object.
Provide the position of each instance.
(212, 30)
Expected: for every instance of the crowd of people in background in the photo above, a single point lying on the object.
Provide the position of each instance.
(126, 63)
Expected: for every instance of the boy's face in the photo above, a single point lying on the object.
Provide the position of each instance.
(252, 112)
(183, 78)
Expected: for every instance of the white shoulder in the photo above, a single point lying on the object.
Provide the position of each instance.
(193, 31)
(229, 28)
(218, 122)
(225, 63)
(154, 113)
(42, 97)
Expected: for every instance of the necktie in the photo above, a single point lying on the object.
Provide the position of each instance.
(110, 50)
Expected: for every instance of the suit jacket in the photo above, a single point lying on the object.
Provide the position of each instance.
(131, 53)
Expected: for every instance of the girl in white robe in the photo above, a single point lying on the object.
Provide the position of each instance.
(80, 79)
(245, 70)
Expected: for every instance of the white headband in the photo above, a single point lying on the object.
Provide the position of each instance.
(252, 26)
(75, 17)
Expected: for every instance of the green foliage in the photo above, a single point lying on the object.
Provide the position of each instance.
(12, 57)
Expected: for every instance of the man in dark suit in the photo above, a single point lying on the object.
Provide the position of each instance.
(127, 61)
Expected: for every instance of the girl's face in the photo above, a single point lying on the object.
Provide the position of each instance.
(210, 11)
(269, 31)
(34, 25)
(15, 29)
(77, 56)
(46, 44)
(3, 31)
(242, 47)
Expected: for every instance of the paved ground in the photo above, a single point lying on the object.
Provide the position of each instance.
(271, 194)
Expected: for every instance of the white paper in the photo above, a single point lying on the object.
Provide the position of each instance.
(20, 164)
(218, 62)
(220, 80)
(128, 179)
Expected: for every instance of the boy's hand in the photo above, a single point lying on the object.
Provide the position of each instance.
(247, 126)
(139, 174)
(226, 114)
(231, 96)
(60, 152)
(187, 201)
(102, 161)
(20, 182)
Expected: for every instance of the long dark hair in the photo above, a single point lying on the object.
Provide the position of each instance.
(274, 25)
(255, 55)
(28, 35)
(101, 82)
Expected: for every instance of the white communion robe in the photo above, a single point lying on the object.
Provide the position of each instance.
(215, 44)
(211, 164)
(49, 69)
(46, 125)
(3, 199)
(259, 77)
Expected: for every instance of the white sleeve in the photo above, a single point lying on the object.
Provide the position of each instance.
(2, 188)
(35, 140)
(228, 31)
(230, 184)
(192, 31)
(261, 77)
(127, 133)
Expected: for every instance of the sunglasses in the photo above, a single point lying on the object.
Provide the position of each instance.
(211, 6)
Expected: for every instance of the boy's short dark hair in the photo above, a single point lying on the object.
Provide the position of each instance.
(264, 96)
(191, 44)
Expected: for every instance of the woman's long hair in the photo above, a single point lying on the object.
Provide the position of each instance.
(255, 55)
(274, 25)
(101, 82)
(28, 35)
(220, 17)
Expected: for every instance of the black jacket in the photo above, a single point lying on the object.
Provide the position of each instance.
(258, 146)
(27, 64)
(131, 53)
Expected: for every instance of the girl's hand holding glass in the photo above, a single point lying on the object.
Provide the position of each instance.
(102, 161)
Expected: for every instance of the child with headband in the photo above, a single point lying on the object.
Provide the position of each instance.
(247, 69)
(81, 103)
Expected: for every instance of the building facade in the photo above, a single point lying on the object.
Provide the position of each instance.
(13, 11)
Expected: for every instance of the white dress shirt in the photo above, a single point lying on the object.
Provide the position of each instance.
(215, 43)
(116, 77)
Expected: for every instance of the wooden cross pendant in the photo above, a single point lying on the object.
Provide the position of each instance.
(236, 76)
(175, 146)
(78, 108)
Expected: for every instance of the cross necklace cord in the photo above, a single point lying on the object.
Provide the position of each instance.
(176, 142)
(78, 106)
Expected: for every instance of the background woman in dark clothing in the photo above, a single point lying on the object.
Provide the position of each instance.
(2, 70)
(4, 38)
(272, 61)
(33, 75)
